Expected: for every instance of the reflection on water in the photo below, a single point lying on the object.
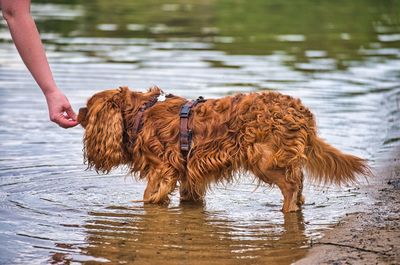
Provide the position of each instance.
(341, 58)
(188, 234)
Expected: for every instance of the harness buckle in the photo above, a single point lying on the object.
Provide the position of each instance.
(201, 99)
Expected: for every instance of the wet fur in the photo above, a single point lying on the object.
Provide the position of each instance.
(268, 134)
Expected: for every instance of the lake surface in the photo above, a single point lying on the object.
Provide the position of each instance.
(342, 58)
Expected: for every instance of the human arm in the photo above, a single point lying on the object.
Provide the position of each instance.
(27, 40)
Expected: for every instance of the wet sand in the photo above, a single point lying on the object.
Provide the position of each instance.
(372, 234)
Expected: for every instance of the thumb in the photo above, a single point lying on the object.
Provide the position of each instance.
(71, 114)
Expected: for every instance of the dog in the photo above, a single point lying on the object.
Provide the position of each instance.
(271, 135)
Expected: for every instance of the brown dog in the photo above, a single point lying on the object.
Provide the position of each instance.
(268, 134)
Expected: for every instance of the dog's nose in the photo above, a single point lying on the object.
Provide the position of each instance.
(82, 116)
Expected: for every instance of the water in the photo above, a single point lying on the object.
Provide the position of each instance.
(341, 58)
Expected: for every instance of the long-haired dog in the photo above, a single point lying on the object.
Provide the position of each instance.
(270, 135)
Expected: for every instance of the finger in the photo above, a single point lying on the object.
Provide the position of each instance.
(71, 114)
(66, 123)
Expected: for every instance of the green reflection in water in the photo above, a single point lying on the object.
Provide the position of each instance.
(309, 30)
(335, 26)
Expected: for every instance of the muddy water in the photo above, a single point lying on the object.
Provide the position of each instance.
(341, 58)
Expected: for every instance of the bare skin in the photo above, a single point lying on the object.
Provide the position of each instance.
(27, 40)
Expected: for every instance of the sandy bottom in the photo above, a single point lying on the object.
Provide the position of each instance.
(372, 235)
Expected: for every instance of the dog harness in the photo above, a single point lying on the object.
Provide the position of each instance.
(138, 124)
(185, 132)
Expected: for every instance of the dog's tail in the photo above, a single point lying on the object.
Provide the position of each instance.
(325, 164)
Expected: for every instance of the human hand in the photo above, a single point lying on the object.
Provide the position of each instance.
(60, 110)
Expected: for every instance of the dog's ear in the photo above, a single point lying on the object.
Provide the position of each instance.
(103, 148)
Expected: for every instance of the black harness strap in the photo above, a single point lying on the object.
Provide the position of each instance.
(138, 121)
(137, 125)
(185, 132)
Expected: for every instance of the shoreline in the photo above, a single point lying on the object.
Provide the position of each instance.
(371, 235)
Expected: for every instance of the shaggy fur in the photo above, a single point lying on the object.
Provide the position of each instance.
(268, 134)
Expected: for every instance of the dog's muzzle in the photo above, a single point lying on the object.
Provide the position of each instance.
(82, 116)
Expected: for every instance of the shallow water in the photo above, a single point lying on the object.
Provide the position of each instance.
(342, 59)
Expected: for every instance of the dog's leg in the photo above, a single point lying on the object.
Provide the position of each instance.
(290, 193)
(161, 182)
(186, 194)
(286, 180)
(153, 179)
(289, 189)
(300, 196)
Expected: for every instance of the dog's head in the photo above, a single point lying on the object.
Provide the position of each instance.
(105, 121)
